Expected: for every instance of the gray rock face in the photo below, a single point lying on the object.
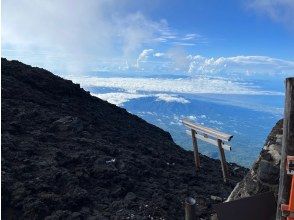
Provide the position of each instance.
(268, 173)
(264, 174)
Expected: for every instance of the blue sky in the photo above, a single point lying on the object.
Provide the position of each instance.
(230, 27)
(161, 36)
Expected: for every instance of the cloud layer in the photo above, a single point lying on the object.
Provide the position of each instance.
(247, 65)
(119, 98)
(176, 86)
(177, 61)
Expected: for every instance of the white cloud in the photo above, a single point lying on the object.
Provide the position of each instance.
(136, 30)
(190, 36)
(144, 55)
(192, 117)
(171, 98)
(119, 98)
(176, 60)
(242, 65)
(176, 86)
(278, 10)
(183, 43)
(158, 54)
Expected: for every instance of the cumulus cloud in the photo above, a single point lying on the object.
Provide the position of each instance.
(176, 61)
(278, 10)
(144, 55)
(246, 65)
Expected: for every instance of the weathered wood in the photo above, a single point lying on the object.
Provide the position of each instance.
(211, 136)
(223, 160)
(191, 211)
(287, 146)
(207, 131)
(195, 148)
(211, 141)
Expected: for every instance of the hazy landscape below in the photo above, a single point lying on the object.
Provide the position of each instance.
(245, 108)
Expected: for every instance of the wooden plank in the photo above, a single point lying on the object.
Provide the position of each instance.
(223, 160)
(213, 133)
(211, 141)
(196, 153)
(287, 146)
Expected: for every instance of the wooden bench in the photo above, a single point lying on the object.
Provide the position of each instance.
(211, 136)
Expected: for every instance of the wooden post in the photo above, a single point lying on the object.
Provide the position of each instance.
(223, 160)
(191, 211)
(195, 148)
(287, 146)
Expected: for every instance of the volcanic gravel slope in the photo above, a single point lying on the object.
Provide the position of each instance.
(69, 155)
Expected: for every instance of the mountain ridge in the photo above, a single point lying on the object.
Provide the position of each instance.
(69, 155)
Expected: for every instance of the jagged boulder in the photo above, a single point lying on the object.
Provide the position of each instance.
(264, 174)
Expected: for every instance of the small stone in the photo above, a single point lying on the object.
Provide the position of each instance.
(266, 155)
(216, 198)
(130, 196)
(75, 215)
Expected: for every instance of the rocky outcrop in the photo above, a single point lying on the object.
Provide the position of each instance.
(264, 174)
(68, 155)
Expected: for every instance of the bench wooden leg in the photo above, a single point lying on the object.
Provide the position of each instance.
(223, 160)
(195, 148)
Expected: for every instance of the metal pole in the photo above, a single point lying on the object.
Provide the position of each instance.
(287, 146)
(191, 212)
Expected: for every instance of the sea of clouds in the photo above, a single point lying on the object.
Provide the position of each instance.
(166, 89)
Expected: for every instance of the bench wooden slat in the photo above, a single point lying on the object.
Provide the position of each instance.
(213, 133)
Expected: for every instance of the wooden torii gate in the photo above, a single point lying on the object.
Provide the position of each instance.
(211, 136)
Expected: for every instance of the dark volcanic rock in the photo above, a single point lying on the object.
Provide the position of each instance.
(265, 172)
(68, 155)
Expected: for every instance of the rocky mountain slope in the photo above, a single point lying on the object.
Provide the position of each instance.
(265, 172)
(68, 155)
